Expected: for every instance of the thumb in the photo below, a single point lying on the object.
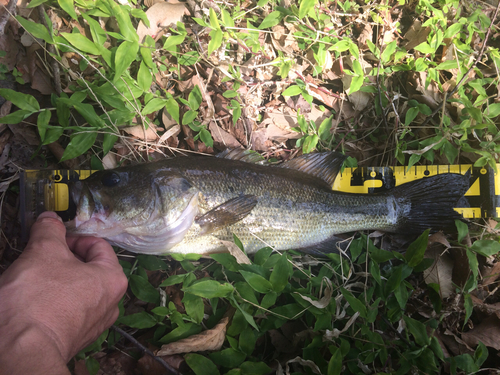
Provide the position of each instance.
(47, 234)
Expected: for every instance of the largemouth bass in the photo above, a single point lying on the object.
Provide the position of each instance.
(191, 204)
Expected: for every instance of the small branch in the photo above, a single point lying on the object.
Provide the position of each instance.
(53, 62)
(10, 10)
(143, 349)
(450, 94)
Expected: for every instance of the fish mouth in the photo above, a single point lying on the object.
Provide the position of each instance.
(83, 203)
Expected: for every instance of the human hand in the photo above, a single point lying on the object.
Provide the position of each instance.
(57, 298)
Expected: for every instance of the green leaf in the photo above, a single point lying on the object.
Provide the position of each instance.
(200, 364)
(257, 282)
(69, 7)
(189, 117)
(174, 279)
(108, 142)
(462, 229)
(125, 55)
(195, 98)
(486, 247)
(144, 77)
(466, 362)
(229, 358)
(452, 30)
(229, 94)
(153, 105)
(214, 22)
(189, 58)
(254, 368)
(181, 332)
(36, 29)
(424, 48)
(493, 110)
(15, 117)
(121, 14)
(172, 108)
(22, 101)
(92, 365)
(356, 83)
(143, 290)
(416, 250)
(310, 143)
(355, 303)
(418, 330)
(82, 43)
(42, 122)
(271, 20)
(206, 137)
(305, 7)
(79, 143)
(388, 51)
(335, 363)
(209, 289)
(152, 262)
(89, 114)
(236, 111)
(140, 320)
(215, 41)
(469, 306)
(247, 340)
(447, 65)
(226, 18)
(35, 3)
(194, 307)
(280, 274)
(292, 91)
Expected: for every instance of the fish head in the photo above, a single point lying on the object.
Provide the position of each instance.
(136, 208)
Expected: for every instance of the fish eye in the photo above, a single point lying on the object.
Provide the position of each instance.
(110, 179)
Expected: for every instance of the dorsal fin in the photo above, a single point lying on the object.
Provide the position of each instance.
(248, 156)
(324, 165)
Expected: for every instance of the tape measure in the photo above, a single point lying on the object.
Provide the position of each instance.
(47, 190)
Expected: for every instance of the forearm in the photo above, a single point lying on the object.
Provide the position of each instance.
(29, 351)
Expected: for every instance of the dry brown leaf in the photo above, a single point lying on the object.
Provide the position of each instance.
(491, 274)
(487, 332)
(211, 339)
(415, 35)
(150, 134)
(439, 237)
(236, 252)
(222, 139)
(441, 271)
(366, 34)
(161, 15)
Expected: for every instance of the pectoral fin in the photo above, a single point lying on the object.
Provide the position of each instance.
(228, 213)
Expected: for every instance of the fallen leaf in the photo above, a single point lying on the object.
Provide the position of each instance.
(150, 134)
(211, 339)
(327, 295)
(415, 35)
(236, 252)
(440, 272)
(161, 15)
(487, 332)
(222, 139)
(491, 274)
(306, 363)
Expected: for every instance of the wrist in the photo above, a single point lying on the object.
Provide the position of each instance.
(29, 350)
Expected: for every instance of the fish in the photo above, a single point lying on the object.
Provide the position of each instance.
(192, 204)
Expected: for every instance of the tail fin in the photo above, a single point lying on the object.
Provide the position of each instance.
(432, 200)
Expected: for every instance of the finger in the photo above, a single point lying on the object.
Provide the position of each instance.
(47, 234)
(92, 249)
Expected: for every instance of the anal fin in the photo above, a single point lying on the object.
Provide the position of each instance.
(226, 214)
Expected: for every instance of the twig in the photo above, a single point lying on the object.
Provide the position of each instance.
(464, 77)
(169, 368)
(9, 11)
(53, 62)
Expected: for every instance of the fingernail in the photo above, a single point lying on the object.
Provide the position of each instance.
(50, 214)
